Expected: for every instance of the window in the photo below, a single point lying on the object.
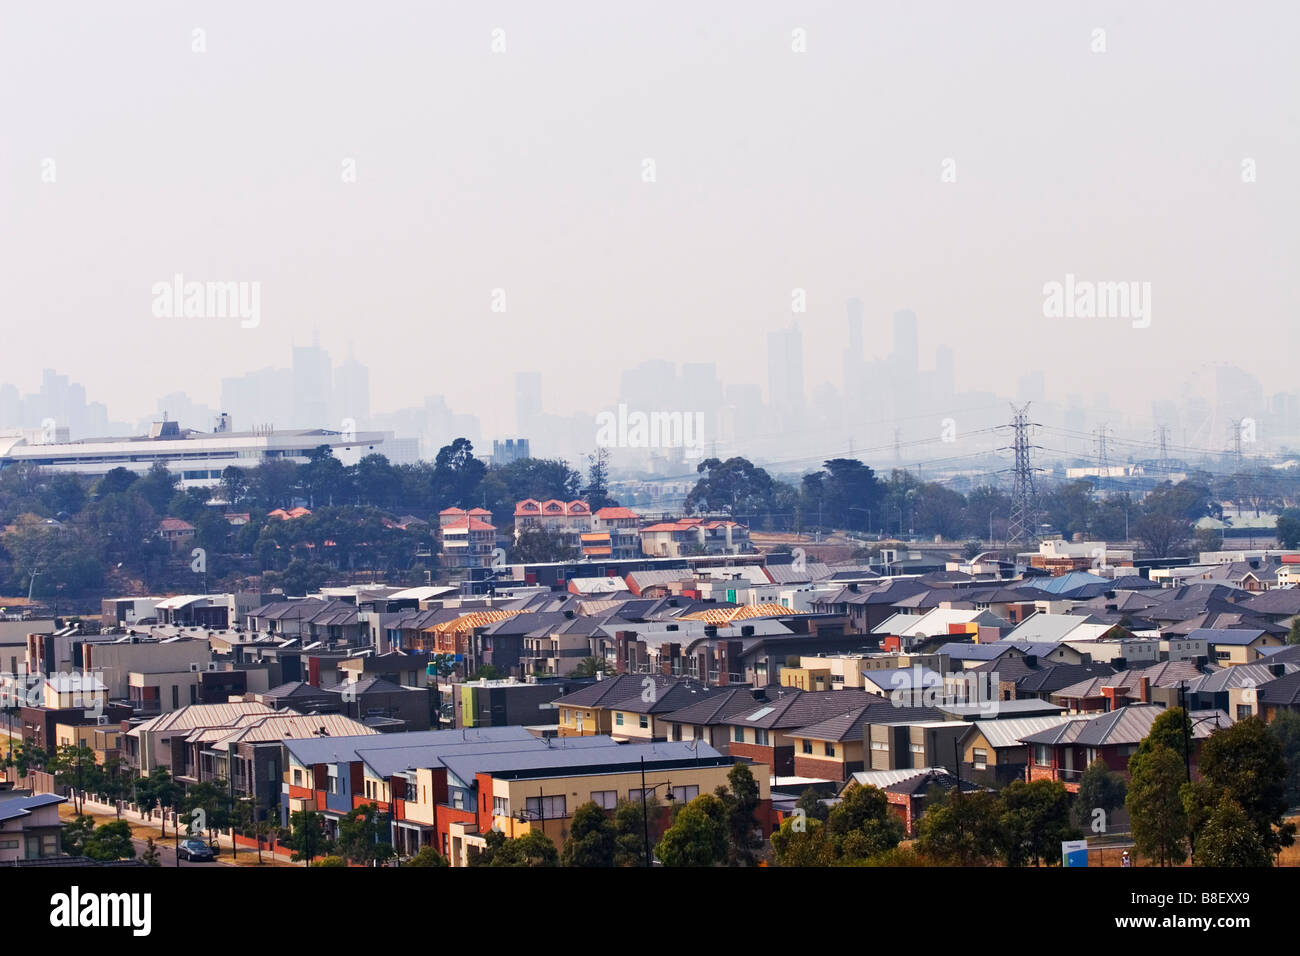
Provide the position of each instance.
(297, 778)
(550, 808)
(916, 748)
(879, 745)
(333, 785)
(738, 734)
(618, 718)
(645, 721)
(1042, 755)
(501, 806)
(981, 759)
(605, 799)
(685, 794)
(1243, 711)
(636, 796)
(760, 736)
(807, 746)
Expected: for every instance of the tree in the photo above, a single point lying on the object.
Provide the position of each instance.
(629, 831)
(207, 807)
(533, 849)
(1034, 820)
(1229, 838)
(156, 791)
(803, 841)
(307, 835)
(590, 667)
(539, 545)
(1246, 763)
(234, 485)
(1293, 635)
(740, 799)
(1100, 788)
(74, 767)
(1286, 728)
(157, 486)
(111, 841)
(591, 840)
(427, 856)
(1288, 528)
(77, 833)
(363, 836)
(27, 757)
(116, 481)
(1171, 729)
(961, 828)
(1158, 817)
(810, 802)
(1162, 535)
(698, 837)
(734, 487)
(863, 824)
(457, 474)
(150, 856)
(597, 491)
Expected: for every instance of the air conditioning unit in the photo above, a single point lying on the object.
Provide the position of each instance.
(212, 665)
(102, 720)
(194, 667)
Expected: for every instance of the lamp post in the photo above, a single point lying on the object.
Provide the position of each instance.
(645, 810)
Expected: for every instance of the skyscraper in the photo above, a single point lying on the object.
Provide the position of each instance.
(785, 391)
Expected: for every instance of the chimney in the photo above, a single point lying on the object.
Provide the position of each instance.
(1277, 670)
(1144, 690)
(854, 587)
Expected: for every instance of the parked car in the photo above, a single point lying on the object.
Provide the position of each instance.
(196, 851)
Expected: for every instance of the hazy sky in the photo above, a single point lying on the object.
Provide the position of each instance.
(523, 171)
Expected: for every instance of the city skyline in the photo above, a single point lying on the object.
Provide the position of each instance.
(720, 184)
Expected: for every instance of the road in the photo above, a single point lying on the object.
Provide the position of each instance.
(167, 853)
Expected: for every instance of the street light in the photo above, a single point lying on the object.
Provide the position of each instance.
(645, 811)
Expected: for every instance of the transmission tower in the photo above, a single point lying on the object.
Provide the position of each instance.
(1235, 437)
(1163, 431)
(1022, 525)
(1103, 461)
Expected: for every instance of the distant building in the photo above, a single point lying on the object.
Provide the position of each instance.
(510, 450)
(197, 457)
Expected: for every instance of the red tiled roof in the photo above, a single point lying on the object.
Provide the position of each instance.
(611, 513)
(473, 524)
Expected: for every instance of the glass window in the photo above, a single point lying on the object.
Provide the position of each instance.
(645, 720)
(685, 794)
(605, 799)
(981, 759)
(501, 806)
(738, 734)
(830, 749)
(618, 718)
(760, 736)
(550, 808)
(807, 746)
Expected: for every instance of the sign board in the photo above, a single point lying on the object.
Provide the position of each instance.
(1074, 853)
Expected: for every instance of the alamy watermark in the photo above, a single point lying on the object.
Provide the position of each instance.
(1085, 299)
(179, 299)
(624, 429)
